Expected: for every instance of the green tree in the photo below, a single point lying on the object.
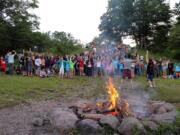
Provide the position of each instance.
(17, 23)
(141, 19)
(174, 40)
(64, 43)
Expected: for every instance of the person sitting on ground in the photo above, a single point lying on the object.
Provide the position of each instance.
(150, 73)
(43, 73)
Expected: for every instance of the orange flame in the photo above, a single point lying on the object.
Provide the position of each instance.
(113, 94)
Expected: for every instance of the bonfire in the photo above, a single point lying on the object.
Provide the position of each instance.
(115, 105)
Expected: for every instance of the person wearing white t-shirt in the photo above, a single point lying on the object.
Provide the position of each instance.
(10, 57)
(99, 66)
(37, 65)
(127, 73)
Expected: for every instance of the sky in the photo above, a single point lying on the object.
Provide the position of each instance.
(81, 18)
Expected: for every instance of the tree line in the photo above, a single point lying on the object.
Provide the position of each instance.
(152, 24)
(18, 30)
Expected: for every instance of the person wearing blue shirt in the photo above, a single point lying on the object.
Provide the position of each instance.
(61, 64)
(67, 67)
(115, 65)
(121, 67)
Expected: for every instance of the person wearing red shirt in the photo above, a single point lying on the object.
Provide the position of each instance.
(3, 65)
(81, 66)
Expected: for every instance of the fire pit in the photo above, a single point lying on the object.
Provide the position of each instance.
(115, 106)
(95, 117)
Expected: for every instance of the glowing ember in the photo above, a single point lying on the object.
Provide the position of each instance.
(113, 94)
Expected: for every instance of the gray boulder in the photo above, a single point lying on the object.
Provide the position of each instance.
(169, 107)
(110, 120)
(89, 127)
(168, 117)
(161, 110)
(63, 120)
(160, 107)
(155, 105)
(150, 125)
(130, 124)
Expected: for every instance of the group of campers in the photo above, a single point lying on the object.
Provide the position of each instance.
(116, 61)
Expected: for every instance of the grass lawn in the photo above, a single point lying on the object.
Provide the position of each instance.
(167, 89)
(19, 89)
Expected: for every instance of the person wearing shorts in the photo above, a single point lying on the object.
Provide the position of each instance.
(127, 70)
(127, 74)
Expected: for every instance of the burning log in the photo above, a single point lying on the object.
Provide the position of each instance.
(84, 106)
(96, 117)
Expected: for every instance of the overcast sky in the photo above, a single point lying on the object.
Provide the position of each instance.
(81, 18)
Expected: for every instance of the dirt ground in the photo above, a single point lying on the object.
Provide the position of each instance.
(18, 120)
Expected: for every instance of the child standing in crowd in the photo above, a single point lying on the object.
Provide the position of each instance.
(2, 65)
(89, 68)
(61, 64)
(37, 65)
(30, 66)
(164, 68)
(121, 68)
(171, 70)
(99, 66)
(81, 66)
(150, 73)
(71, 67)
(67, 67)
(115, 65)
(10, 56)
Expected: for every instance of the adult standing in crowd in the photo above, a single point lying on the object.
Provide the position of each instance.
(10, 57)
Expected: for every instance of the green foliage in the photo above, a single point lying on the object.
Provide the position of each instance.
(174, 42)
(17, 23)
(143, 19)
(64, 43)
(17, 30)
